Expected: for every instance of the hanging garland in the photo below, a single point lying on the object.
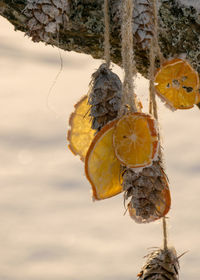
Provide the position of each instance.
(119, 144)
(122, 152)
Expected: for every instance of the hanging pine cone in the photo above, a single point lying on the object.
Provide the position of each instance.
(104, 97)
(160, 265)
(45, 18)
(149, 193)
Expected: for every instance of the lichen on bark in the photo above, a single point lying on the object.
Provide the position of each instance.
(179, 30)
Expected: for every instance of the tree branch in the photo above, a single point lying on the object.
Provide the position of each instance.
(179, 30)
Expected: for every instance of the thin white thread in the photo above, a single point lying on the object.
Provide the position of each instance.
(127, 56)
(54, 82)
(107, 33)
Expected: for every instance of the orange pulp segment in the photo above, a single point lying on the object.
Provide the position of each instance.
(135, 140)
(162, 208)
(102, 168)
(178, 83)
(81, 134)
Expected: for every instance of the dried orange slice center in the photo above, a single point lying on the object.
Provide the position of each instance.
(81, 134)
(177, 82)
(135, 140)
(102, 168)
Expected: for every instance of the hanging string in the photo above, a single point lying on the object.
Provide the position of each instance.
(127, 56)
(152, 97)
(155, 31)
(153, 110)
(164, 223)
(107, 33)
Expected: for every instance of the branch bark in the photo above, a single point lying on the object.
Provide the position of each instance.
(179, 30)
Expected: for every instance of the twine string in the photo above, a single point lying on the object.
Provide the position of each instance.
(155, 31)
(107, 33)
(153, 110)
(152, 97)
(127, 56)
(164, 223)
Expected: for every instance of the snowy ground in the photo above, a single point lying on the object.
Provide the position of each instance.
(50, 228)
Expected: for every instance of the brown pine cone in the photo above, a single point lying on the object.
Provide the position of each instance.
(160, 265)
(45, 18)
(142, 21)
(148, 192)
(104, 97)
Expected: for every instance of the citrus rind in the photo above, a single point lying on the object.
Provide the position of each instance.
(81, 134)
(177, 83)
(102, 168)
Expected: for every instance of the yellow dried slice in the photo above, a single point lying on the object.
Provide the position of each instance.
(81, 134)
(102, 168)
(135, 140)
(177, 83)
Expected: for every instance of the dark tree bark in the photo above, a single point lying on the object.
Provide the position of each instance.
(179, 30)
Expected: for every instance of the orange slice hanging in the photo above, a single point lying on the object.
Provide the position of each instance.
(102, 168)
(81, 134)
(162, 208)
(177, 83)
(135, 140)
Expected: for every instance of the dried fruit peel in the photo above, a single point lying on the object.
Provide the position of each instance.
(177, 83)
(135, 140)
(102, 168)
(81, 134)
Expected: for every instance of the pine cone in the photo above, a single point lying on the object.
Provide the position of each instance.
(45, 18)
(104, 97)
(147, 192)
(142, 21)
(160, 265)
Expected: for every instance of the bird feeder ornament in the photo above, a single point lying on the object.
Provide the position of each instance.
(122, 151)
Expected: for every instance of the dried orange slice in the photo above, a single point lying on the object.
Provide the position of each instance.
(135, 140)
(162, 208)
(102, 168)
(177, 83)
(81, 134)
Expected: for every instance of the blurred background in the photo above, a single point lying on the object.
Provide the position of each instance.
(49, 227)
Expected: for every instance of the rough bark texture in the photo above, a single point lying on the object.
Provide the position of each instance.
(179, 29)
